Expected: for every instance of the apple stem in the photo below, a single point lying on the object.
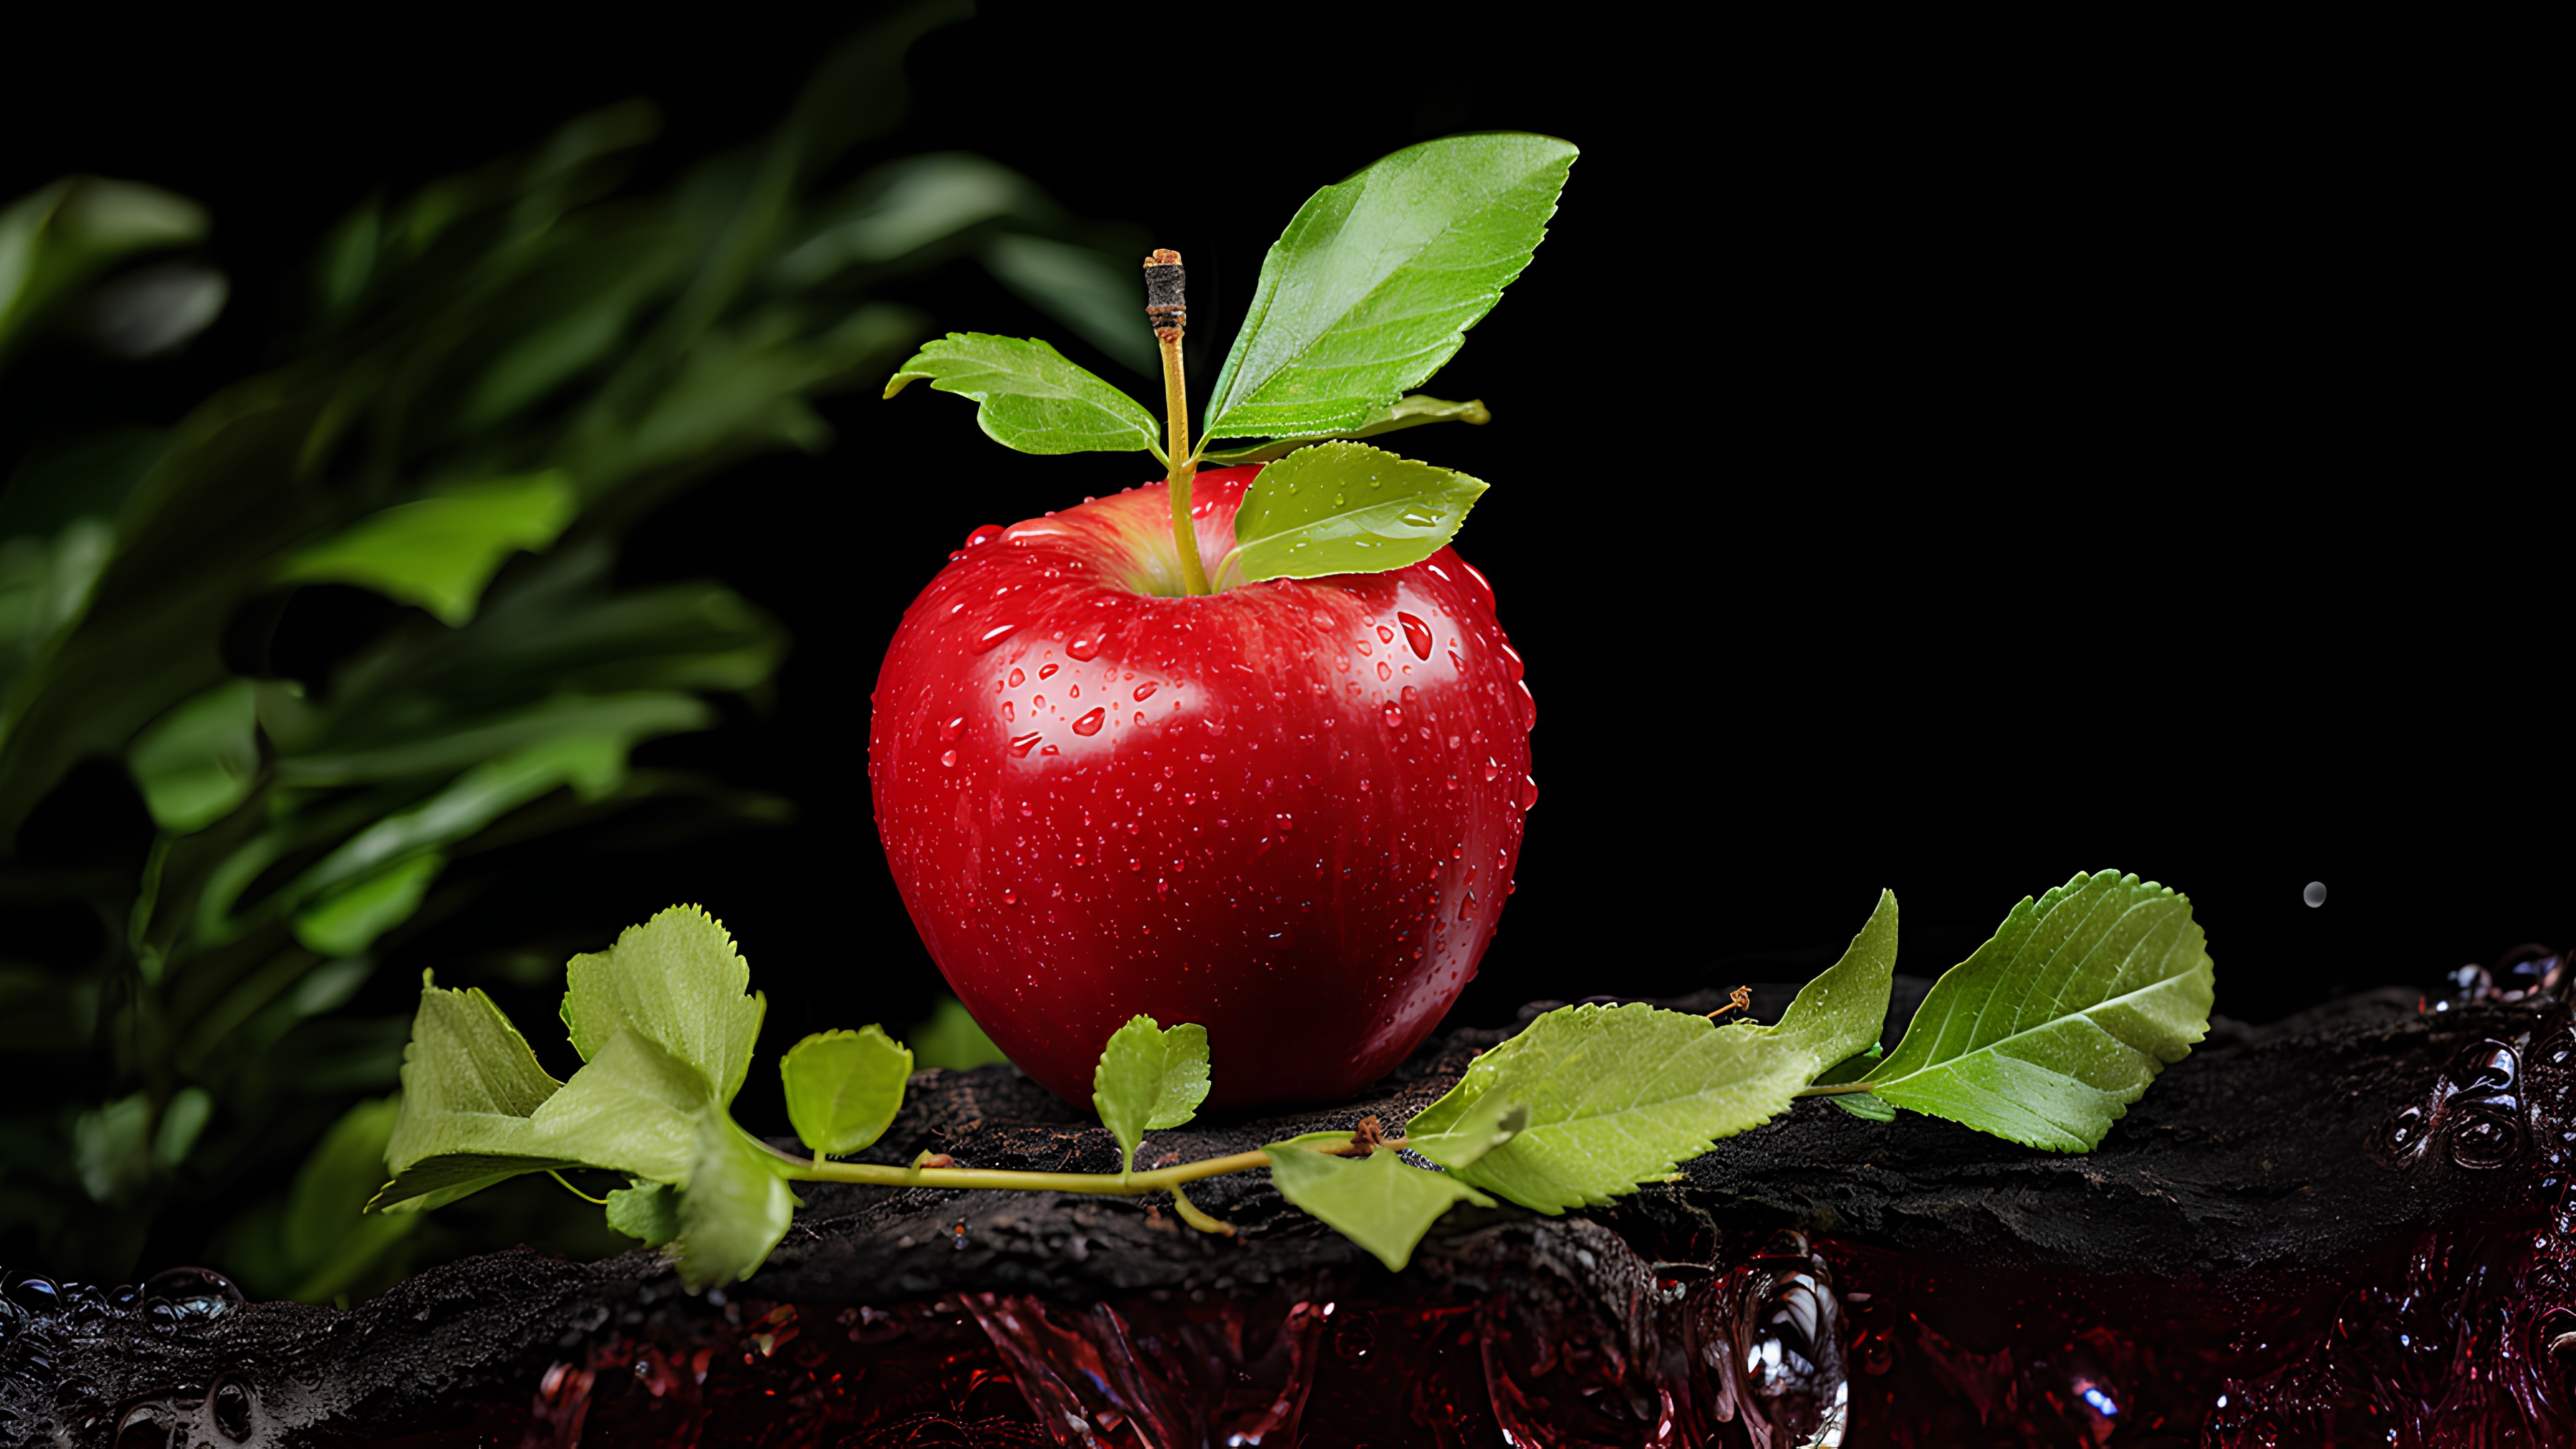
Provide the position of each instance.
(1167, 307)
(1110, 1184)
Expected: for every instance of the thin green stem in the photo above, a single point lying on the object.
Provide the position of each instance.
(1838, 1089)
(576, 1192)
(1107, 1184)
(1185, 468)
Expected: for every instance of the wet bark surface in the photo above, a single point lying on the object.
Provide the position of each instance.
(2254, 1156)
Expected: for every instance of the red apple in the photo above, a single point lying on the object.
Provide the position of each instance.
(1287, 811)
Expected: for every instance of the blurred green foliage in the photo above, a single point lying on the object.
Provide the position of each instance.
(503, 372)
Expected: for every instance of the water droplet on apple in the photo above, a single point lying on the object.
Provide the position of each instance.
(1145, 691)
(1008, 714)
(1009, 899)
(1081, 648)
(1512, 657)
(1162, 889)
(1089, 724)
(1017, 678)
(1385, 635)
(1416, 634)
(995, 635)
(948, 758)
(984, 535)
(1322, 619)
(948, 729)
(1529, 793)
(1529, 707)
(1394, 715)
(1383, 672)
(1048, 671)
(1021, 745)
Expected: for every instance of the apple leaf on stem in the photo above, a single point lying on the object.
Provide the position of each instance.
(1029, 397)
(1149, 1080)
(2050, 1030)
(1344, 508)
(1379, 1201)
(1411, 412)
(1852, 1069)
(1620, 1096)
(844, 1087)
(678, 982)
(1376, 280)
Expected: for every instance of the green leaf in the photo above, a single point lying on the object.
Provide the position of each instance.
(2052, 1028)
(633, 1108)
(1344, 508)
(844, 1087)
(199, 761)
(734, 1210)
(951, 1039)
(679, 983)
(349, 921)
(1411, 412)
(1379, 1201)
(471, 1090)
(1149, 1080)
(1030, 398)
(440, 551)
(329, 1240)
(648, 1210)
(1493, 1121)
(1617, 1096)
(56, 240)
(1842, 1010)
(1859, 1104)
(1376, 280)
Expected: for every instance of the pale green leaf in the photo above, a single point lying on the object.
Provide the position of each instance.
(1344, 508)
(2052, 1028)
(328, 1238)
(349, 921)
(1379, 1201)
(1411, 412)
(200, 760)
(1149, 1080)
(734, 1210)
(471, 1090)
(1494, 1120)
(1617, 1096)
(633, 1107)
(844, 1087)
(1030, 398)
(1376, 280)
(678, 982)
(1842, 1010)
(439, 552)
(648, 1210)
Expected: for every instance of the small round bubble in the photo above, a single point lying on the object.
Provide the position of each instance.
(2315, 894)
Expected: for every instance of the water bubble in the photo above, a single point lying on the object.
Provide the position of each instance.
(197, 1294)
(1385, 635)
(1010, 898)
(1022, 744)
(2490, 1068)
(1081, 648)
(1145, 691)
(37, 1295)
(2315, 894)
(995, 635)
(1017, 678)
(1089, 724)
(1417, 635)
(1385, 672)
(1394, 715)
(1048, 671)
(2484, 1138)
(1529, 793)
(232, 1404)
(984, 535)
(948, 758)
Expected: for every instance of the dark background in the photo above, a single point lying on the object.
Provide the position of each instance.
(1936, 459)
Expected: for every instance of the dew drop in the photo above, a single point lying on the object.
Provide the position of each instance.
(1285, 821)
(1416, 634)
(1009, 713)
(1385, 635)
(1048, 671)
(948, 758)
(1529, 793)
(948, 729)
(1010, 898)
(1089, 724)
(1022, 744)
(994, 635)
(1081, 648)
(232, 1406)
(1145, 691)
(2315, 894)
(984, 535)
(1017, 678)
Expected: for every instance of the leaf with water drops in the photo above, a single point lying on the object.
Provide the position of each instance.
(1376, 280)
(1149, 1080)
(2049, 1031)
(1344, 508)
(1411, 412)
(844, 1087)
(1029, 397)
(1380, 1202)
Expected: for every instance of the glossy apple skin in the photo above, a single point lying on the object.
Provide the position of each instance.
(1287, 811)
